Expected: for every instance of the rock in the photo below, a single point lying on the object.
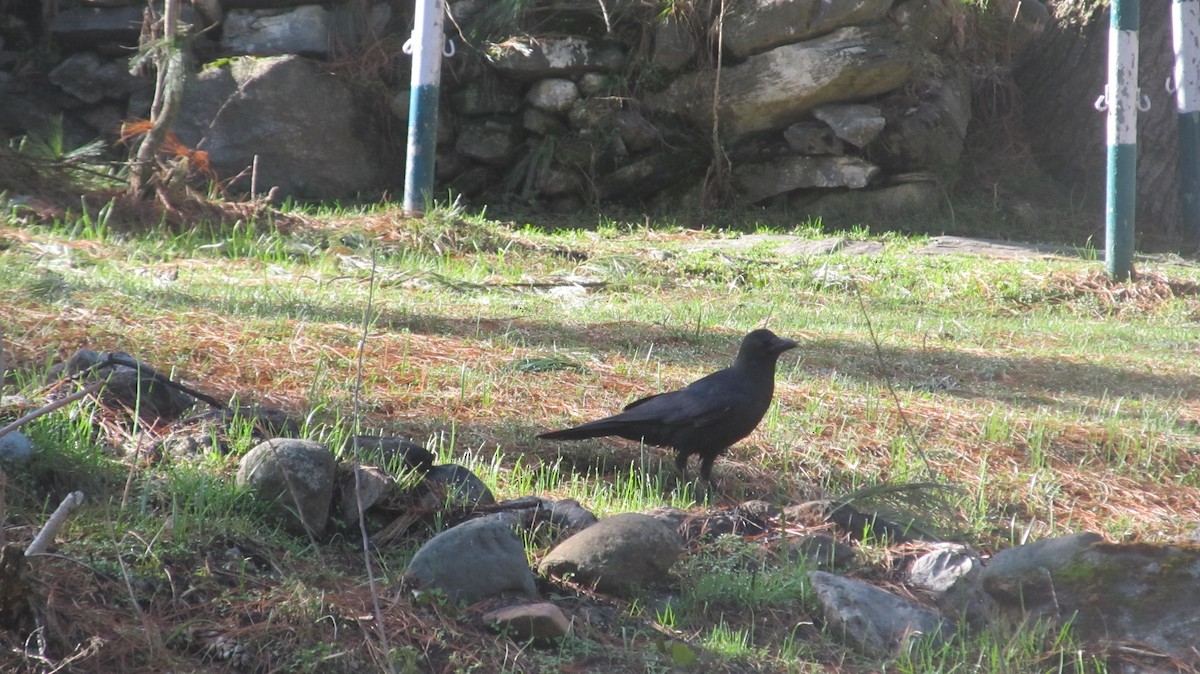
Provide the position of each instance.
(91, 79)
(617, 554)
(636, 131)
(822, 552)
(395, 454)
(553, 94)
(475, 560)
(855, 124)
(452, 484)
(595, 84)
(523, 622)
(646, 176)
(776, 88)
(757, 25)
(929, 134)
(812, 139)
(139, 388)
(921, 195)
(271, 32)
(247, 107)
(928, 24)
(876, 622)
(942, 567)
(15, 451)
(374, 485)
(492, 140)
(487, 95)
(1109, 592)
(297, 475)
(593, 113)
(542, 123)
(557, 57)
(674, 44)
(756, 182)
(79, 28)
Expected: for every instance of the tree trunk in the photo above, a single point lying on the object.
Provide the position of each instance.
(1064, 73)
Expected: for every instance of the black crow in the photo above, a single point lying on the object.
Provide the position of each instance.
(706, 416)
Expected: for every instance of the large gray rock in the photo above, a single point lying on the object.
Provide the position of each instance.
(1110, 592)
(927, 24)
(557, 57)
(876, 622)
(267, 107)
(854, 123)
(91, 79)
(78, 28)
(297, 475)
(776, 88)
(15, 451)
(674, 44)
(475, 560)
(452, 485)
(269, 32)
(553, 94)
(756, 182)
(541, 620)
(753, 26)
(928, 135)
(617, 554)
(491, 140)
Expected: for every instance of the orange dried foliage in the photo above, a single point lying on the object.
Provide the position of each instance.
(171, 146)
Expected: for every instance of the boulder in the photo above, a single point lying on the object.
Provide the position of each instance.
(876, 622)
(674, 44)
(249, 106)
(533, 59)
(776, 88)
(475, 560)
(853, 123)
(271, 32)
(91, 79)
(754, 26)
(297, 475)
(452, 484)
(541, 621)
(812, 139)
(929, 134)
(553, 94)
(756, 182)
(617, 554)
(490, 140)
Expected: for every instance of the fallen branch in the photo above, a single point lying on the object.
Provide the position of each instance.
(46, 409)
(52, 525)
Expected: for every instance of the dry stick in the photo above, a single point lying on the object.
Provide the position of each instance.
(887, 380)
(46, 409)
(362, 518)
(43, 538)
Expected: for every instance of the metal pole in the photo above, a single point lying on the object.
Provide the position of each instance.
(1122, 103)
(1185, 24)
(426, 49)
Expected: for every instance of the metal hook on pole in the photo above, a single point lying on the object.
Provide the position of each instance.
(450, 49)
(1143, 101)
(1170, 85)
(1101, 103)
(407, 48)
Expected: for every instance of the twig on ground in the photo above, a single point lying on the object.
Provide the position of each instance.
(50, 528)
(46, 409)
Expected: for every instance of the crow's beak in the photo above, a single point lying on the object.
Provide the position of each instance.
(783, 344)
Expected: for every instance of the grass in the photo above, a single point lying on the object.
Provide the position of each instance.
(1049, 400)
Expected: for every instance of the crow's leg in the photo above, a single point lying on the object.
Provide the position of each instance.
(681, 463)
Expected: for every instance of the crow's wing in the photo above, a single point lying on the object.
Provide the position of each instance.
(703, 402)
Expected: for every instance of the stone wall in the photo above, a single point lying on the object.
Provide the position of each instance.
(567, 104)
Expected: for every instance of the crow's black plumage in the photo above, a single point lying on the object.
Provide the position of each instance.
(706, 416)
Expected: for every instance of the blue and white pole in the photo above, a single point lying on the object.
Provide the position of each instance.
(425, 45)
(1185, 24)
(1121, 102)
